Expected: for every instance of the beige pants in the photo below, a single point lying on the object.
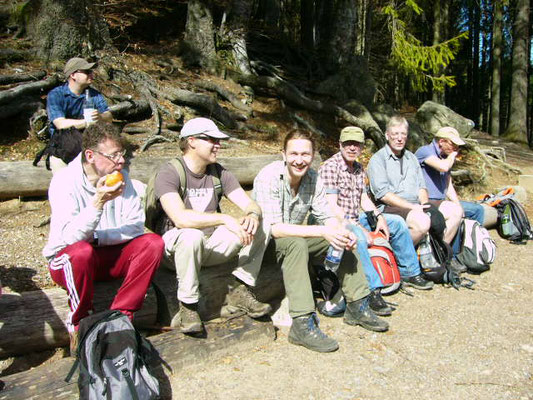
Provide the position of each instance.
(186, 250)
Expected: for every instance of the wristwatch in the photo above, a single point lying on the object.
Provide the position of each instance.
(377, 213)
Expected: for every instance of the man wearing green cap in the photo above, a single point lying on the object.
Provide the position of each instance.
(344, 179)
(65, 103)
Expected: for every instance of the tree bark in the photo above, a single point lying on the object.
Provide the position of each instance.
(199, 40)
(237, 29)
(517, 128)
(438, 36)
(497, 40)
(61, 29)
(17, 78)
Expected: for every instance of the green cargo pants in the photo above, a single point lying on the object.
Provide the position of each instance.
(294, 255)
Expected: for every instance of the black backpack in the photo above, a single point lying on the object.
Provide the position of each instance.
(113, 359)
(513, 223)
(64, 144)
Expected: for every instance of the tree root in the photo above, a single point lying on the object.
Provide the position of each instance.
(226, 94)
(300, 120)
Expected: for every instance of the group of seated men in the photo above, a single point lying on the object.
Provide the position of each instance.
(97, 231)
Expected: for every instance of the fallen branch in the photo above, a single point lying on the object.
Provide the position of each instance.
(16, 78)
(14, 95)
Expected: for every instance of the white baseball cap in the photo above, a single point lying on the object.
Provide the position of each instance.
(201, 126)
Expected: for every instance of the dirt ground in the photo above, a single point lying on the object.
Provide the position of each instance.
(443, 344)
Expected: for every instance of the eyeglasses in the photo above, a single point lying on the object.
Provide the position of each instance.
(209, 139)
(112, 157)
(86, 71)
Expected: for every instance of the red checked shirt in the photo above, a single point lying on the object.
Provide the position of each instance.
(347, 183)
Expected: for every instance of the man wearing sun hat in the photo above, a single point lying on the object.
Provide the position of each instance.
(436, 160)
(196, 233)
(344, 179)
(64, 104)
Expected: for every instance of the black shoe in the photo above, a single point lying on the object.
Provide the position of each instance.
(305, 332)
(359, 313)
(457, 267)
(417, 282)
(378, 305)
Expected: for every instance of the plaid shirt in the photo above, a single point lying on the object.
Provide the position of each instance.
(273, 194)
(348, 184)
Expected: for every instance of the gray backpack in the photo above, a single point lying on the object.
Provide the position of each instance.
(113, 359)
(478, 250)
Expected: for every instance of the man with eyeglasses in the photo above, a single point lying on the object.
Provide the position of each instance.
(196, 233)
(344, 180)
(398, 185)
(97, 231)
(64, 104)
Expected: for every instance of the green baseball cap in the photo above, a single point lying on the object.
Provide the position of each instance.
(352, 133)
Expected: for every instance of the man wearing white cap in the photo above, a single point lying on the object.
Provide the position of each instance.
(436, 160)
(65, 103)
(196, 233)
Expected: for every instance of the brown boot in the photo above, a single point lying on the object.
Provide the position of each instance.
(187, 319)
(241, 298)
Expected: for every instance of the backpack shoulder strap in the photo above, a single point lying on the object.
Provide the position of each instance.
(178, 163)
(215, 171)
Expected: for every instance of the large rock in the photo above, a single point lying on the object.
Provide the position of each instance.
(432, 116)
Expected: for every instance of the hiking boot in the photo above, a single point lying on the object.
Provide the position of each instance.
(187, 319)
(417, 282)
(74, 341)
(457, 267)
(359, 313)
(305, 332)
(378, 305)
(241, 298)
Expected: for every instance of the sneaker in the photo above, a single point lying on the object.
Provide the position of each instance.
(378, 305)
(241, 298)
(457, 267)
(187, 319)
(74, 340)
(417, 282)
(359, 313)
(305, 332)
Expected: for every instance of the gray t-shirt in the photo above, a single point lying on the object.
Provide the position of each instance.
(200, 194)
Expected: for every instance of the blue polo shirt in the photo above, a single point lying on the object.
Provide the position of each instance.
(62, 103)
(436, 181)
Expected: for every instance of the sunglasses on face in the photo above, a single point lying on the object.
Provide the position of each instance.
(209, 139)
(86, 71)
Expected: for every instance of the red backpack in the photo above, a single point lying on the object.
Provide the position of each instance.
(384, 262)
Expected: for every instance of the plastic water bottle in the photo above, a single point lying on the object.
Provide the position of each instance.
(334, 256)
(88, 108)
(425, 254)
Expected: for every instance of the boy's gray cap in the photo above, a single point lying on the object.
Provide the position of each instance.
(201, 126)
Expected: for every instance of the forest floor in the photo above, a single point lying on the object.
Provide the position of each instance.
(443, 344)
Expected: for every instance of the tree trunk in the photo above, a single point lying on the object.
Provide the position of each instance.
(307, 24)
(475, 28)
(438, 24)
(61, 29)
(199, 40)
(237, 29)
(496, 70)
(340, 47)
(517, 128)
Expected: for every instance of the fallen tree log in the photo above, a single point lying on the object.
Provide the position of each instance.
(16, 78)
(34, 321)
(21, 179)
(227, 338)
(14, 94)
(131, 110)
